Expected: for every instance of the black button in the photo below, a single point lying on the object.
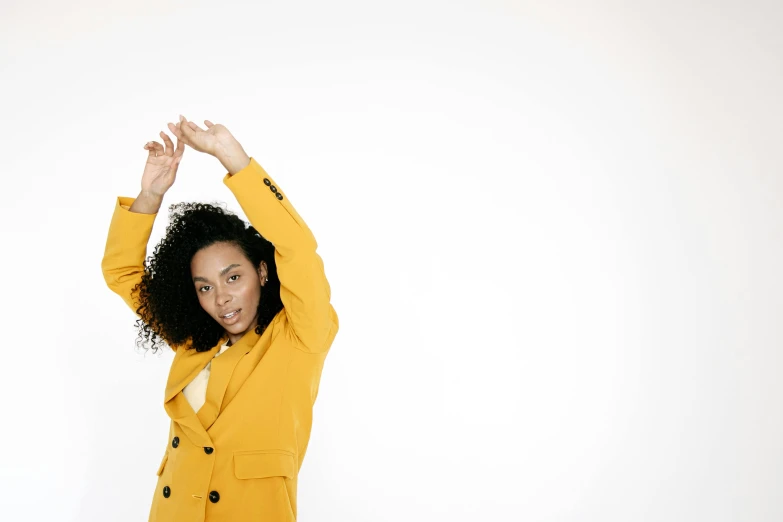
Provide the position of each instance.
(175, 442)
(258, 329)
(166, 491)
(214, 496)
(280, 196)
(273, 189)
(267, 182)
(208, 450)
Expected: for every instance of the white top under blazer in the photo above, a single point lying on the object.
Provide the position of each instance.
(196, 391)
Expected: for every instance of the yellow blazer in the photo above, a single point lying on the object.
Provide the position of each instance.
(238, 458)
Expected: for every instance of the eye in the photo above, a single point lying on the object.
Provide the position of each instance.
(233, 276)
(203, 287)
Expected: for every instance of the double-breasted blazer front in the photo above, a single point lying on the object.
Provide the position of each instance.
(238, 458)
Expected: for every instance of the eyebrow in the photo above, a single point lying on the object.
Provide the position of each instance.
(222, 273)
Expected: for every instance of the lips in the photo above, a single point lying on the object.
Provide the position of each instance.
(231, 317)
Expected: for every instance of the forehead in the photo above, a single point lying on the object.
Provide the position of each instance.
(216, 257)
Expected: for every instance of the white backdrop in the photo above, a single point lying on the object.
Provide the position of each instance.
(553, 235)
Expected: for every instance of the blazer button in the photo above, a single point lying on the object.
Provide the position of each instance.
(273, 189)
(166, 491)
(214, 496)
(208, 450)
(175, 442)
(280, 196)
(267, 182)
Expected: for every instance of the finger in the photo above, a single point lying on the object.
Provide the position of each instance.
(169, 151)
(209, 124)
(175, 130)
(186, 130)
(195, 127)
(180, 150)
(155, 148)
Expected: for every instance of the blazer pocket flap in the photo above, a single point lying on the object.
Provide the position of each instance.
(162, 464)
(263, 464)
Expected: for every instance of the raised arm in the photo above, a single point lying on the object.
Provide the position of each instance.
(126, 245)
(131, 224)
(304, 289)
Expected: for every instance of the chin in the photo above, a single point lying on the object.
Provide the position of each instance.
(236, 328)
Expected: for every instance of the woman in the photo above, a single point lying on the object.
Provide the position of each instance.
(250, 320)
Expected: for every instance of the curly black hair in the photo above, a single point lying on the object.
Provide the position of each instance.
(170, 311)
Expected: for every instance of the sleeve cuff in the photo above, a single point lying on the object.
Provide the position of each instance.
(124, 204)
(251, 167)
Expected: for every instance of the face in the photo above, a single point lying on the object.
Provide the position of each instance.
(228, 287)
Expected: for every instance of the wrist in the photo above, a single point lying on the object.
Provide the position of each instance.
(147, 203)
(233, 157)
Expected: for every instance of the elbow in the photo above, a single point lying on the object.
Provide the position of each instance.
(317, 337)
(111, 276)
(106, 271)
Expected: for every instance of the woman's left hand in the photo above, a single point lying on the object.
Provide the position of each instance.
(212, 140)
(216, 141)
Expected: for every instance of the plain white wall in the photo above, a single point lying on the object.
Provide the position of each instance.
(553, 234)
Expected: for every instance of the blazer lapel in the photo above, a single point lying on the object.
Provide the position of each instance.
(188, 363)
(178, 408)
(185, 366)
(223, 367)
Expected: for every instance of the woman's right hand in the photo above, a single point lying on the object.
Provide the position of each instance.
(162, 164)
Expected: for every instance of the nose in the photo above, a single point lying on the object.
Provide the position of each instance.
(222, 297)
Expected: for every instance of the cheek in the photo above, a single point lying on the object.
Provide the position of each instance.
(203, 301)
(251, 291)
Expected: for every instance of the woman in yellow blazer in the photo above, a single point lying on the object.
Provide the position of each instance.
(247, 310)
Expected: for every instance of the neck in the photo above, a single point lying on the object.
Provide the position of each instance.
(234, 338)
